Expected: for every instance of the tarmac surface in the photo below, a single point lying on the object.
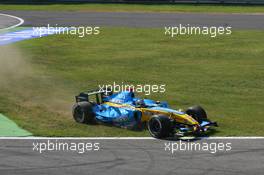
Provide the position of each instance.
(124, 19)
(131, 157)
(7, 21)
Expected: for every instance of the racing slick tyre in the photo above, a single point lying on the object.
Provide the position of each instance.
(160, 126)
(83, 113)
(197, 112)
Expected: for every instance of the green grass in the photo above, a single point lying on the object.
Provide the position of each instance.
(223, 74)
(140, 8)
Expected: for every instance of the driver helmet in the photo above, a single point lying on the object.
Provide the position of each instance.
(140, 103)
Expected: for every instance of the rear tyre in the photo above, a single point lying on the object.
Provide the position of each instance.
(83, 113)
(160, 126)
(197, 112)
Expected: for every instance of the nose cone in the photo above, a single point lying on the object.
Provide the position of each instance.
(190, 120)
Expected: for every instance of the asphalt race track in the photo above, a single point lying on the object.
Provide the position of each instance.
(7, 21)
(43, 18)
(132, 157)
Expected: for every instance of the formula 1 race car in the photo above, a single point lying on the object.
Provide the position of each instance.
(123, 109)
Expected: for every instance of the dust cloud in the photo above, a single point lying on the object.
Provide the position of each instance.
(26, 85)
(13, 66)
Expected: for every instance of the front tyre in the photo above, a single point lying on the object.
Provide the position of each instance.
(197, 112)
(83, 112)
(160, 126)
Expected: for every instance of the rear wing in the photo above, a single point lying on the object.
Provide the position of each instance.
(85, 96)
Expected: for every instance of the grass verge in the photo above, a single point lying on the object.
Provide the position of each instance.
(223, 74)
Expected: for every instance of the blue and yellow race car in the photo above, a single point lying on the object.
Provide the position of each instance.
(123, 109)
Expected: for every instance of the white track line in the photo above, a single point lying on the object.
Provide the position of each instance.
(119, 138)
(21, 21)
